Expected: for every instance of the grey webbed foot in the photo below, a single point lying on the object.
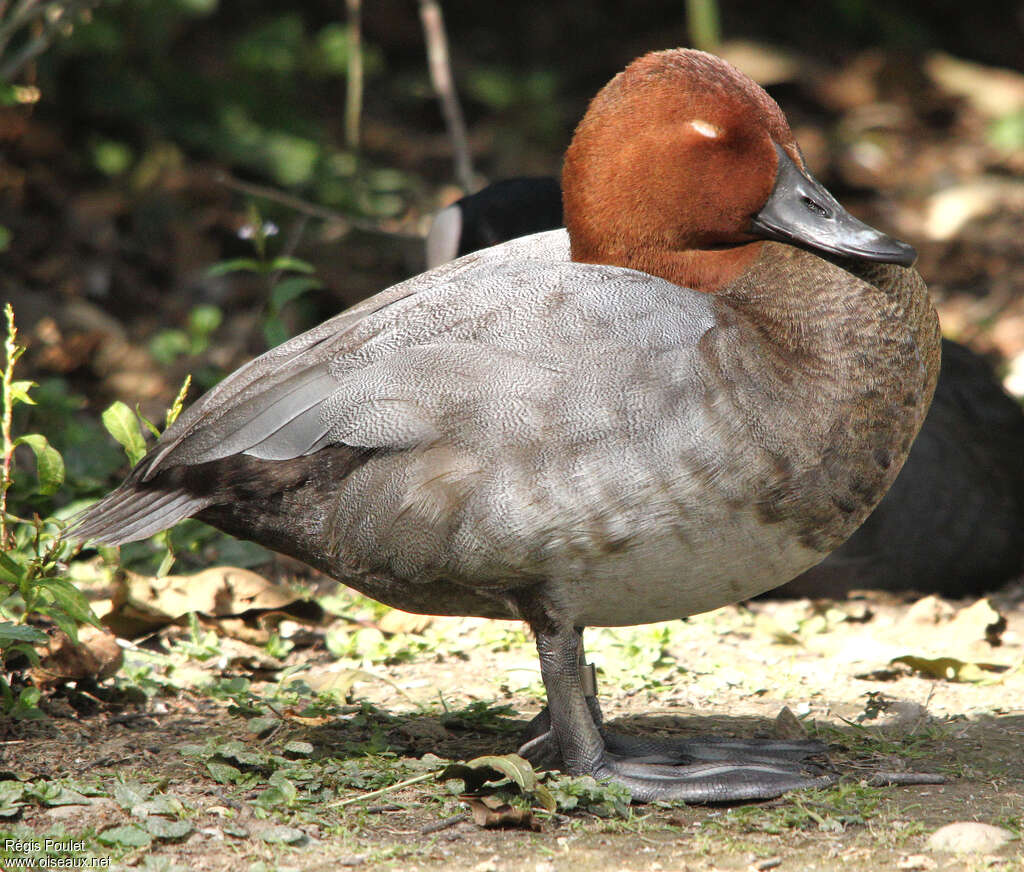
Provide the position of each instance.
(569, 735)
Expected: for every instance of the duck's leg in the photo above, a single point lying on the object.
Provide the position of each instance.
(696, 770)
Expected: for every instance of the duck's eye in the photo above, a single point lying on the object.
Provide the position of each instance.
(706, 128)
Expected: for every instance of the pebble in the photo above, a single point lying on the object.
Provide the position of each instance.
(969, 837)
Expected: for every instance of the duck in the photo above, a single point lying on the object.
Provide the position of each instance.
(504, 210)
(690, 395)
(952, 524)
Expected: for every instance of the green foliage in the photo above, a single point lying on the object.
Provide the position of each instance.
(1007, 133)
(584, 793)
(33, 555)
(287, 278)
(831, 810)
(202, 322)
(260, 112)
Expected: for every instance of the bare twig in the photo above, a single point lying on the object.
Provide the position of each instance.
(437, 826)
(45, 26)
(427, 776)
(314, 210)
(444, 84)
(354, 79)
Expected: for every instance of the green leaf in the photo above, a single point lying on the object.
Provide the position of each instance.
(479, 772)
(122, 424)
(237, 751)
(145, 422)
(299, 749)
(168, 345)
(162, 803)
(290, 288)
(280, 791)
(194, 749)
(283, 835)
(238, 264)
(70, 599)
(262, 724)
(222, 773)
(49, 463)
(293, 264)
(130, 795)
(10, 632)
(25, 650)
(11, 571)
(63, 795)
(950, 668)
(203, 320)
(168, 830)
(11, 793)
(19, 392)
(129, 836)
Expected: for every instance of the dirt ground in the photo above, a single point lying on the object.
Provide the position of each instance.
(729, 672)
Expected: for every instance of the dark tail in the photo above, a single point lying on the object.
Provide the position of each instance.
(132, 513)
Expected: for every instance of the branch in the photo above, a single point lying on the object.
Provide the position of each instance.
(315, 210)
(354, 77)
(444, 83)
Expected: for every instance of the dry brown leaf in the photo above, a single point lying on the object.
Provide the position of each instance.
(788, 725)
(490, 813)
(291, 714)
(397, 621)
(96, 656)
(143, 603)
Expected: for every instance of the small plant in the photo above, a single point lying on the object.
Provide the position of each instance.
(194, 339)
(33, 555)
(283, 288)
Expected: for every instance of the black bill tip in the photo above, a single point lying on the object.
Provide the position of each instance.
(801, 211)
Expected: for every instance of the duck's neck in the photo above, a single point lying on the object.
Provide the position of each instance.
(702, 269)
(837, 365)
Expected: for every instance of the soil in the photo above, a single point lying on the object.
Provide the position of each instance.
(730, 672)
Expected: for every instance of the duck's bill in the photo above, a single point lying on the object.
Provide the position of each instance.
(802, 212)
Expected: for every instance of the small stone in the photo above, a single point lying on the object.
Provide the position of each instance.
(969, 837)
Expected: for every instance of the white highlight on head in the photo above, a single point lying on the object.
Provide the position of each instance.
(706, 128)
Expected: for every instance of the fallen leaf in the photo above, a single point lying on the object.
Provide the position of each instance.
(143, 603)
(97, 656)
(949, 668)
(503, 816)
(788, 725)
(482, 771)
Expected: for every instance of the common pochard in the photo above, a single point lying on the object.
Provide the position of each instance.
(650, 415)
(953, 521)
